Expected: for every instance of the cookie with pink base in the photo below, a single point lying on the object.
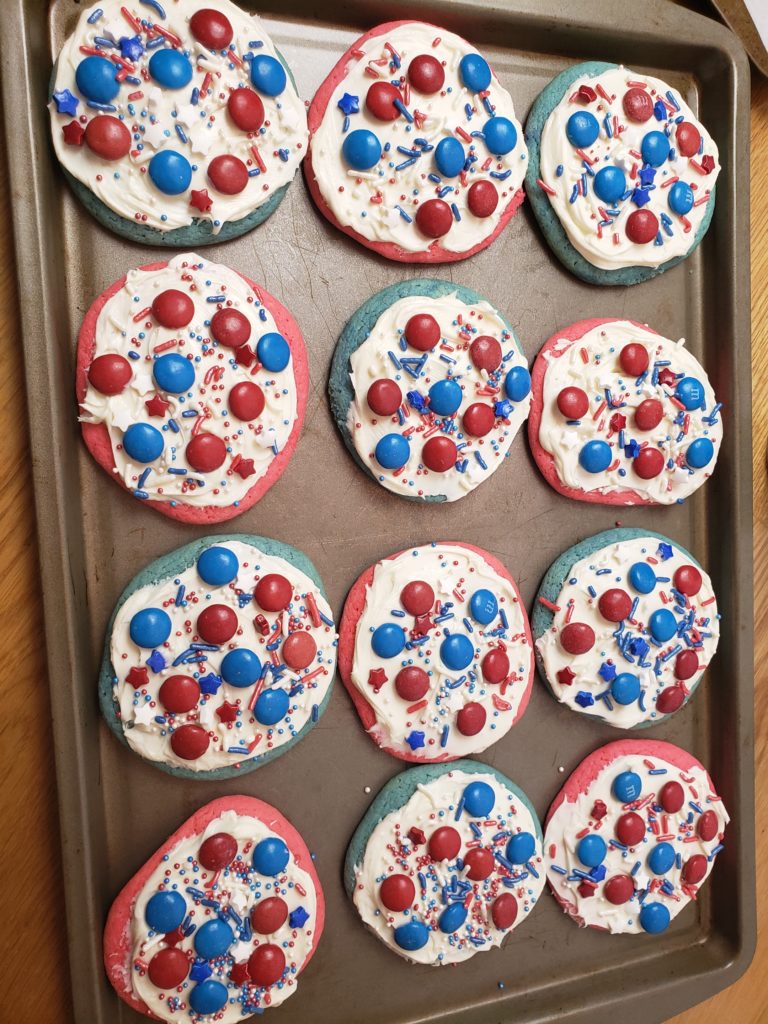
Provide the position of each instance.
(621, 415)
(632, 836)
(192, 384)
(435, 650)
(415, 149)
(220, 921)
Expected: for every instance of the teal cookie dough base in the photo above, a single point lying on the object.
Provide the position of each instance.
(191, 236)
(357, 330)
(399, 790)
(542, 618)
(549, 222)
(162, 569)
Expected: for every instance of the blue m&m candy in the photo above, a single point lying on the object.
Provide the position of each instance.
(449, 157)
(150, 627)
(361, 149)
(474, 72)
(663, 625)
(591, 850)
(582, 129)
(661, 858)
(479, 799)
(213, 939)
(654, 148)
(595, 456)
(95, 78)
(654, 918)
(170, 171)
(143, 442)
(445, 397)
(173, 373)
(208, 997)
(412, 935)
(170, 68)
(388, 640)
(700, 453)
(392, 451)
(267, 75)
(521, 848)
(483, 606)
(270, 856)
(610, 184)
(500, 135)
(517, 383)
(642, 577)
(165, 911)
(452, 918)
(627, 786)
(273, 352)
(240, 667)
(217, 566)
(680, 198)
(625, 688)
(271, 706)
(456, 651)
(690, 391)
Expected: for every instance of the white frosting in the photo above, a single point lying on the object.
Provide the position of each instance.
(564, 439)
(459, 324)
(152, 117)
(560, 842)
(216, 373)
(239, 890)
(390, 851)
(606, 569)
(454, 573)
(358, 206)
(140, 705)
(608, 247)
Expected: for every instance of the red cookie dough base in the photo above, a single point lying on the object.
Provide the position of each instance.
(96, 435)
(434, 253)
(582, 778)
(353, 609)
(544, 460)
(117, 932)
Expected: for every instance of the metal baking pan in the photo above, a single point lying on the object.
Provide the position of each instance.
(115, 810)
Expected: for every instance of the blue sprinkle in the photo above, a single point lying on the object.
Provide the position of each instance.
(455, 211)
(94, 16)
(403, 214)
(481, 460)
(403, 110)
(155, 7)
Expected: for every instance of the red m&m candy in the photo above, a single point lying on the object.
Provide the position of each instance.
(434, 218)
(649, 414)
(299, 650)
(417, 597)
(206, 452)
(397, 892)
(168, 968)
(273, 592)
(189, 742)
(688, 138)
(495, 665)
(218, 851)
(485, 353)
(426, 74)
(630, 829)
(211, 28)
(246, 109)
(573, 403)
(482, 198)
(179, 694)
(228, 174)
(670, 699)
(380, 101)
(108, 137)
(268, 915)
(707, 826)
(439, 453)
(246, 401)
(615, 604)
(686, 664)
(648, 463)
(672, 797)
(577, 638)
(384, 397)
(230, 327)
(504, 911)
(478, 420)
(694, 869)
(471, 719)
(110, 373)
(217, 623)
(634, 359)
(444, 843)
(638, 105)
(422, 332)
(480, 863)
(411, 683)
(173, 308)
(688, 580)
(642, 226)
(266, 965)
(619, 889)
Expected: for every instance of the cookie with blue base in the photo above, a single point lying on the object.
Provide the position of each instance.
(177, 126)
(621, 175)
(429, 386)
(219, 657)
(624, 625)
(446, 862)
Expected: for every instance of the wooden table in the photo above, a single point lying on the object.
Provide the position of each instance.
(34, 959)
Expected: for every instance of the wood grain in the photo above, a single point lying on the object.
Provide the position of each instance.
(36, 976)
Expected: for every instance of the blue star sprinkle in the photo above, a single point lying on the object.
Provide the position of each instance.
(349, 104)
(298, 917)
(607, 672)
(415, 740)
(65, 102)
(210, 683)
(200, 971)
(664, 551)
(502, 409)
(638, 647)
(131, 47)
(156, 661)
(646, 175)
(584, 699)
(659, 111)
(416, 400)
(632, 449)
(641, 196)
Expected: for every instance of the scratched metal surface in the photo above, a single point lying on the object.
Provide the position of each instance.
(115, 809)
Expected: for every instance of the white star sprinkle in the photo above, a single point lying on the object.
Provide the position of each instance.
(155, 135)
(144, 714)
(202, 139)
(188, 114)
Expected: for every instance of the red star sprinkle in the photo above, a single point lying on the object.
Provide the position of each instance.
(239, 973)
(566, 676)
(416, 836)
(376, 678)
(73, 133)
(599, 810)
(618, 421)
(138, 677)
(422, 625)
(157, 406)
(245, 468)
(587, 94)
(586, 890)
(666, 376)
(261, 624)
(201, 200)
(244, 355)
(227, 712)
(708, 163)
(172, 938)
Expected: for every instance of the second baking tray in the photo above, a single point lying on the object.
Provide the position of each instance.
(115, 809)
